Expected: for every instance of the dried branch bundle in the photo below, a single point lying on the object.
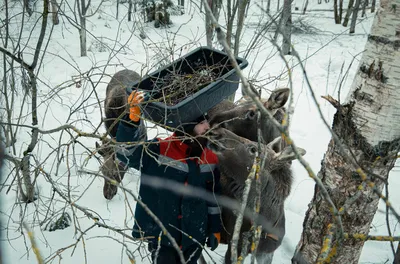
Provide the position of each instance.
(175, 87)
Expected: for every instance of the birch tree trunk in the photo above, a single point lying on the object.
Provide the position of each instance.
(82, 31)
(286, 26)
(369, 126)
(231, 9)
(209, 27)
(242, 9)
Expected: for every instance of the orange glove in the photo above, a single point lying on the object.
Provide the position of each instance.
(213, 240)
(134, 99)
(218, 237)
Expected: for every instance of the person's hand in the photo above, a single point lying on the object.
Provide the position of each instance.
(213, 240)
(134, 99)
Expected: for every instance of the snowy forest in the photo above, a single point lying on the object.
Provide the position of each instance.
(312, 86)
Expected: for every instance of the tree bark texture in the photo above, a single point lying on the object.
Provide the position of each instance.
(242, 8)
(29, 194)
(348, 13)
(369, 126)
(397, 256)
(305, 7)
(117, 15)
(340, 10)
(231, 13)
(82, 31)
(215, 6)
(54, 12)
(354, 16)
(28, 7)
(336, 12)
(364, 7)
(209, 28)
(130, 5)
(286, 26)
(25, 163)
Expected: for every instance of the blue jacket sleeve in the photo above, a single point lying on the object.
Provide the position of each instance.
(133, 152)
(214, 210)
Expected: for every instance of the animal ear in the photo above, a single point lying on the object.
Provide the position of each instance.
(276, 144)
(277, 99)
(288, 154)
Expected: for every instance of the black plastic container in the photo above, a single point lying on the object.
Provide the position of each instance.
(198, 103)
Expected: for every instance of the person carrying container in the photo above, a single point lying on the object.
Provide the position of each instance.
(181, 159)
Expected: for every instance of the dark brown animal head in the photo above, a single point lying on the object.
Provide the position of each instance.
(236, 155)
(115, 104)
(241, 118)
(110, 168)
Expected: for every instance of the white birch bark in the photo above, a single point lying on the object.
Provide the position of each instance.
(369, 126)
(383, 110)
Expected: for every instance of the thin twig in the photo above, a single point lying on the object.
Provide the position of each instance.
(35, 248)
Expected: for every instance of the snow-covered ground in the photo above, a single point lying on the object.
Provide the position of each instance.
(326, 51)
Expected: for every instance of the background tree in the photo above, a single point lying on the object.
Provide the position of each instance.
(28, 5)
(338, 13)
(82, 10)
(235, 11)
(243, 5)
(286, 26)
(29, 83)
(354, 16)
(215, 6)
(373, 3)
(54, 12)
(1, 169)
(348, 13)
(369, 128)
(397, 257)
(364, 8)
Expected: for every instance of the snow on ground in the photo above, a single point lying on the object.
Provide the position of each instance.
(326, 53)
